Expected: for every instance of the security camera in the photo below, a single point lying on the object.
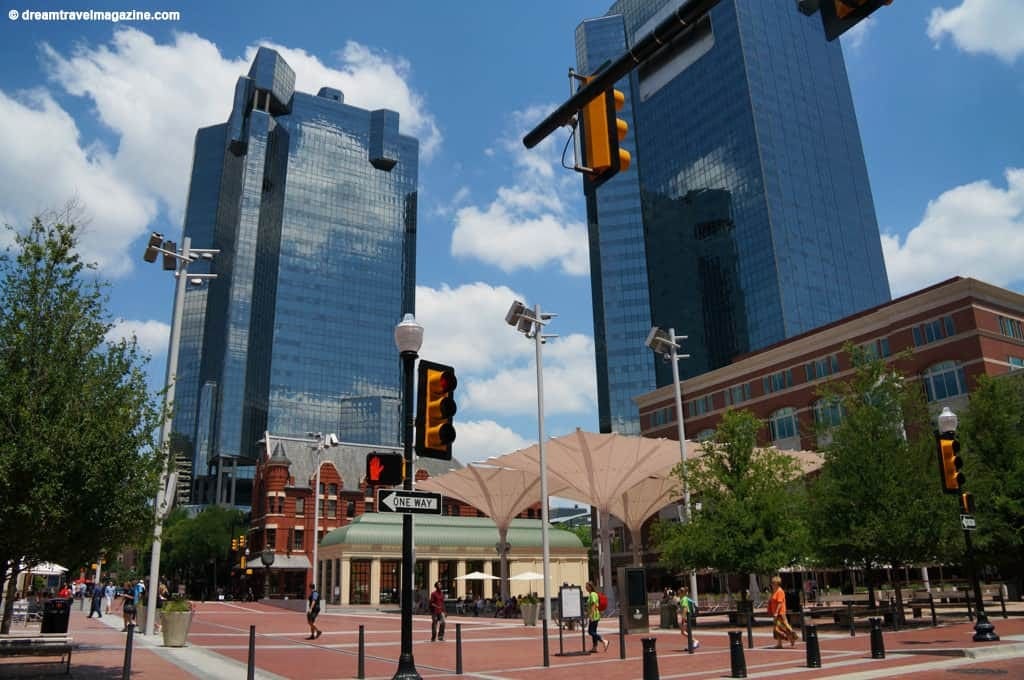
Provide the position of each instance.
(332, 439)
(652, 337)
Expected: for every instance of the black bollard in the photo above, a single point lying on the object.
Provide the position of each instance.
(650, 659)
(877, 643)
(544, 644)
(251, 671)
(849, 613)
(931, 603)
(622, 638)
(126, 669)
(361, 657)
(458, 649)
(813, 651)
(736, 658)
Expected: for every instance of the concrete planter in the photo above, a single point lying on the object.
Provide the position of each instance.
(175, 627)
(530, 612)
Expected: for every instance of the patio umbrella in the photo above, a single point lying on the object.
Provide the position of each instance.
(530, 576)
(476, 576)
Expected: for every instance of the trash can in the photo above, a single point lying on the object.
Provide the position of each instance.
(55, 616)
(668, 615)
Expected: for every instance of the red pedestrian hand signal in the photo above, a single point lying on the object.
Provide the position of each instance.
(385, 469)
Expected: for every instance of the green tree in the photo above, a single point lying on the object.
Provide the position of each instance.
(877, 499)
(78, 465)
(749, 520)
(992, 440)
(191, 543)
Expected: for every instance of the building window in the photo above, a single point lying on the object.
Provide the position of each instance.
(828, 412)
(663, 416)
(777, 381)
(271, 539)
(821, 368)
(300, 507)
(332, 509)
(350, 509)
(944, 380)
(699, 407)
(332, 489)
(782, 424)
(298, 539)
(877, 348)
(933, 330)
(1011, 328)
(1016, 363)
(737, 394)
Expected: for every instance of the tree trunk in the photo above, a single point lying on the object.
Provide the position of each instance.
(12, 587)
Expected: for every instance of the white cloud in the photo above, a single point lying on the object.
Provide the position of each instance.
(152, 98)
(855, 37)
(151, 335)
(982, 26)
(479, 439)
(957, 235)
(44, 164)
(528, 225)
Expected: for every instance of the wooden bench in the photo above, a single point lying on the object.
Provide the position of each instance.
(45, 644)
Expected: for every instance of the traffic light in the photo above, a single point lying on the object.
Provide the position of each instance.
(241, 541)
(155, 241)
(839, 16)
(170, 262)
(602, 130)
(385, 469)
(967, 503)
(234, 544)
(950, 463)
(435, 408)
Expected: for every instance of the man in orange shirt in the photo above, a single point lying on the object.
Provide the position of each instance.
(777, 608)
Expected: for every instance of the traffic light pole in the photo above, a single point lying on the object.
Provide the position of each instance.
(984, 631)
(406, 664)
(688, 13)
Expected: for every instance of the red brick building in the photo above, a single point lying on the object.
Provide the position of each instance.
(956, 330)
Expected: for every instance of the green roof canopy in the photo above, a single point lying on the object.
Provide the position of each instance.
(379, 528)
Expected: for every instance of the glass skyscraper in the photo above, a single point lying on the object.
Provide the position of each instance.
(312, 204)
(746, 217)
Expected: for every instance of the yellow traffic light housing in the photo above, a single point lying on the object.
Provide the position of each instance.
(234, 544)
(241, 541)
(839, 16)
(967, 503)
(950, 464)
(601, 132)
(435, 409)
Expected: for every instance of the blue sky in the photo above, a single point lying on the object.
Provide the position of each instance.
(106, 112)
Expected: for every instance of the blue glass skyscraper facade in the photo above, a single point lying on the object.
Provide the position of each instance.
(747, 216)
(312, 204)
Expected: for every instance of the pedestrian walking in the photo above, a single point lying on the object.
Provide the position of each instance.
(97, 602)
(128, 605)
(312, 611)
(594, 617)
(108, 595)
(687, 609)
(437, 613)
(777, 608)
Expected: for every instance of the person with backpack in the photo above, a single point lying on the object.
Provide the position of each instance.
(594, 616)
(687, 610)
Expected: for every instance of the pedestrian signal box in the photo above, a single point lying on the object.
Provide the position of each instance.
(385, 469)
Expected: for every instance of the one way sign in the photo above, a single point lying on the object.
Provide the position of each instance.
(417, 502)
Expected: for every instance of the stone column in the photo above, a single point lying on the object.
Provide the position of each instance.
(460, 586)
(488, 583)
(375, 581)
(346, 578)
(432, 572)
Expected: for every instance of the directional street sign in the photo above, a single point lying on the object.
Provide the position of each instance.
(417, 502)
(968, 523)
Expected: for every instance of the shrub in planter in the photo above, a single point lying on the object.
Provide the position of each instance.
(176, 619)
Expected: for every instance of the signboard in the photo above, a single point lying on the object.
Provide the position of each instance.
(571, 600)
(415, 502)
(968, 523)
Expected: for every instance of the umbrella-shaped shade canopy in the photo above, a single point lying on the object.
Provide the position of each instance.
(476, 576)
(526, 576)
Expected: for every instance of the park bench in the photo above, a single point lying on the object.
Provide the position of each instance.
(958, 598)
(43, 644)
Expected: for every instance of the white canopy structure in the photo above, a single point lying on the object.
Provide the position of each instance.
(641, 502)
(501, 493)
(597, 469)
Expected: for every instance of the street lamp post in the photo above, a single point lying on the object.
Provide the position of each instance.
(984, 631)
(267, 558)
(322, 443)
(179, 262)
(667, 345)
(531, 324)
(408, 339)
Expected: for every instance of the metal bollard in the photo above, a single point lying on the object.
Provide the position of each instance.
(813, 651)
(251, 670)
(361, 657)
(877, 643)
(931, 603)
(650, 659)
(126, 669)
(544, 645)
(736, 658)
(622, 638)
(750, 630)
(458, 649)
(849, 613)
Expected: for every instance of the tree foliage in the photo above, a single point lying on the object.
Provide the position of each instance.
(877, 499)
(78, 464)
(749, 519)
(992, 439)
(190, 543)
